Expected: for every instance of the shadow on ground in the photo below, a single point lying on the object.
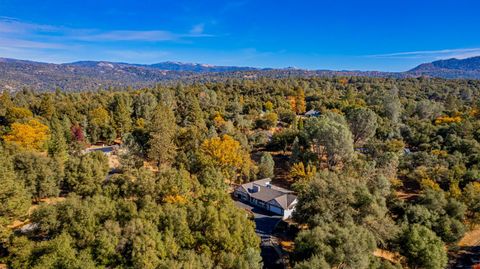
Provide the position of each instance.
(466, 257)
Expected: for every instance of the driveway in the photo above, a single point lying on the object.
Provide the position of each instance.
(265, 223)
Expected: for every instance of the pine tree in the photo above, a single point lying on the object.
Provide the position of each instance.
(58, 147)
(14, 197)
(5, 102)
(122, 112)
(162, 133)
(267, 166)
(300, 124)
(47, 109)
(296, 151)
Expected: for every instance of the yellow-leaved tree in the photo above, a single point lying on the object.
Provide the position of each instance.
(18, 113)
(300, 101)
(99, 117)
(226, 154)
(299, 172)
(31, 135)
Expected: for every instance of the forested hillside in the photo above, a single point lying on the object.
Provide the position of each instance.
(388, 165)
(450, 68)
(17, 75)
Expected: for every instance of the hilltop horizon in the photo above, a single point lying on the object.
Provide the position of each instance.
(209, 65)
(340, 35)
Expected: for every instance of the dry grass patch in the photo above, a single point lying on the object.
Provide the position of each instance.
(392, 257)
(471, 238)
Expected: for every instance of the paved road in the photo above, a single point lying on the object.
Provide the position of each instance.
(469, 256)
(265, 223)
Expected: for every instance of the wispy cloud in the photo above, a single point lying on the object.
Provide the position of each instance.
(13, 26)
(127, 35)
(21, 43)
(197, 29)
(17, 30)
(55, 43)
(435, 54)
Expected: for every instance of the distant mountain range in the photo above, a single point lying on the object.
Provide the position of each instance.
(90, 75)
(451, 68)
(167, 66)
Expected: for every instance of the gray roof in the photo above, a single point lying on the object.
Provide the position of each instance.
(265, 182)
(312, 112)
(268, 193)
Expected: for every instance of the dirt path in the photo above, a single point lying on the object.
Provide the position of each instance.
(281, 169)
(468, 253)
(471, 238)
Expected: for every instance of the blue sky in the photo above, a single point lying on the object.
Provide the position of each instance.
(388, 35)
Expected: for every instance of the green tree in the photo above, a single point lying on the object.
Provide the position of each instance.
(47, 108)
(331, 135)
(14, 198)
(122, 110)
(348, 246)
(391, 105)
(144, 105)
(314, 262)
(283, 139)
(363, 123)
(85, 175)
(267, 166)
(423, 248)
(36, 172)
(162, 130)
(267, 121)
(60, 253)
(189, 111)
(5, 102)
(287, 116)
(57, 147)
(296, 155)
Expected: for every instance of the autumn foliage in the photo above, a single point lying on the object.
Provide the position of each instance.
(447, 120)
(77, 133)
(300, 172)
(297, 102)
(227, 154)
(31, 135)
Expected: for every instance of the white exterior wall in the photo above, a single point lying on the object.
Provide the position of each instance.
(287, 213)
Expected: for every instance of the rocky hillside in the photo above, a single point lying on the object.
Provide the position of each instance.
(451, 68)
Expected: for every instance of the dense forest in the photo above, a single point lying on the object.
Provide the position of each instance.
(387, 165)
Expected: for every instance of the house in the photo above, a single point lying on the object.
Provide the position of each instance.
(107, 150)
(264, 195)
(312, 113)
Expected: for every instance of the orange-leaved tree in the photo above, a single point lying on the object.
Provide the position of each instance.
(300, 101)
(226, 154)
(31, 135)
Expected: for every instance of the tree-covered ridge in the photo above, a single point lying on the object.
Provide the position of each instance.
(388, 164)
(16, 75)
